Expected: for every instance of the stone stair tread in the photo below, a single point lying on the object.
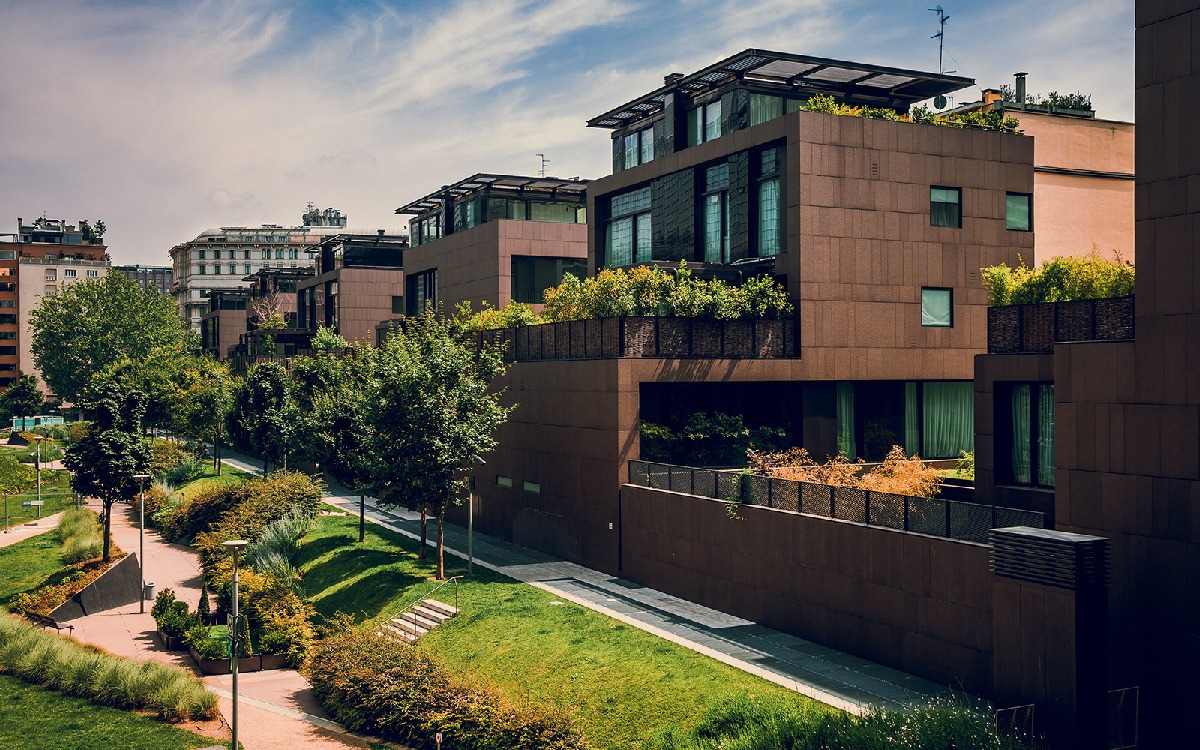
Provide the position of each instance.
(441, 606)
(417, 619)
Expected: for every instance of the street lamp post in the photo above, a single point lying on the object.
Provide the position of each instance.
(235, 546)
(37, 439)
(142, 536)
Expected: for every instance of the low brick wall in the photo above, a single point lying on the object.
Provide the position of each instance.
(917, 603)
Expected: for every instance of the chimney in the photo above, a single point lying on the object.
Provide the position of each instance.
(1021, 89)
(991, 96)
(672, 78)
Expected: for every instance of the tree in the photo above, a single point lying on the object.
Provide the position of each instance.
(96, 323)
(24, 398)
(205, 399)
(330, 393)
(433, 414)
(264, 416)
(104, 462)
(158, 376)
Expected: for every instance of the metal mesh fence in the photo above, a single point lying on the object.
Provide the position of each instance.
(922, 515)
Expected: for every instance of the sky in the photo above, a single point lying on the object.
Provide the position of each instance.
(167, 118)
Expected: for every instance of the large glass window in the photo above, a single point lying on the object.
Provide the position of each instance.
(566, 213)
(704, 123)
(638, 147)
(632, 150)
(420, 291)
(945, 207)
(715, 214)
(770, 213)
(948, 419)
(532, 276)
(1031, 435)
(1018, 212)
(628, 238)
(937, 307)
(764, 107)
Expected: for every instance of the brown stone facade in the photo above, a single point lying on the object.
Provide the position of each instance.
(476, 264)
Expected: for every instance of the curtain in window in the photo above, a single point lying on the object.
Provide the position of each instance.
(912, 420)
(1021, 436)
(619, 251)
(1045, 435)
(644, 244)
(1016, 214)
(944, 207)
(713, 232)
(764, 107)
(935, 308)
(768, 218)
(949, 419)
(845, 420)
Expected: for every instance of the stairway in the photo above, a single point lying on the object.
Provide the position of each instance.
(418, 620)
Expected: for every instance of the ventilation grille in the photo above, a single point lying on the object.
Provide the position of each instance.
(1053, 558)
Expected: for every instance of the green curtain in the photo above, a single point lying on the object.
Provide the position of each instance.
(768, 218)
(949, 419)
(845, 420)
(1046, 435)
(1020, 434)
(912, 420)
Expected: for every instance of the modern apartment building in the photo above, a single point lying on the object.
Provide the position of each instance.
(359, 281)
(877, 230)
(148, 277)
(1082, 176)
(42, 258)
(225, 321)
(494, 238)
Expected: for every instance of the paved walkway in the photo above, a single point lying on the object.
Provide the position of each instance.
(830, 676)
(23, 531)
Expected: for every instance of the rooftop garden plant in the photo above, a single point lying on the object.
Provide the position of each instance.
(640, 290)
(1059, 279)
(899, 474)
(1053, 100)
(982, 119)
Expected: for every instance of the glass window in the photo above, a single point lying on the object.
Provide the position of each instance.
(764, 107)
(294, 253)
(203, 269)
(397, 305)
(245, 255)
(8, 254)
(712, 120)
(1031, 434)
(937, 307)
(266, 254)
(948, 419)
(420, 291)
(246, 269)
(647, 137)
(768, 218)
(945, 207)
(695, 126)
(1018, 212)
(643, 238)
(531, 276)
(516, 210)
(93, 274)
(632, 202)
(619, 243)
(69, 273)
(715, 214)
(559, 212)
(232, 269)
(632, 151)
(628, 236)
(203, 253)
(279, 253)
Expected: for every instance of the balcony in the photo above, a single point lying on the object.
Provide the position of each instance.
(1028, 329)
(667, 337)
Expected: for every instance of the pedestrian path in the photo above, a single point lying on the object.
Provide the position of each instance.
(23, 531)
(830, 676)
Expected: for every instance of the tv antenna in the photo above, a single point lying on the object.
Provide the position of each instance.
(545, 161)
(940, 35)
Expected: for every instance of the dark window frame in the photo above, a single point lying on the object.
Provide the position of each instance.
(1005, 440)
(1029, 212)
(948, 289)
(958, 204)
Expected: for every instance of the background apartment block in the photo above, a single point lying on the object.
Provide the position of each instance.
(148, 277)
(359, 281)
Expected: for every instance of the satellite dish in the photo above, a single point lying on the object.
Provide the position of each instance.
(939, 101)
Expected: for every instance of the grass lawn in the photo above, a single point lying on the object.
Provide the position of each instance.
(56, 494)
(27, 564)
(33, 718)
(209, 478)
(619, 682)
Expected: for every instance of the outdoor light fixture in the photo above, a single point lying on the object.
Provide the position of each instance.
(235, 546)
(141, 478)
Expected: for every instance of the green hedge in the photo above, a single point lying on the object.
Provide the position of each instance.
(1059, 279)
(59, 663)
(386, 688)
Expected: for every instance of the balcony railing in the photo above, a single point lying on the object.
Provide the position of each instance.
(689, 338)
(934, 516)
(1038, 327)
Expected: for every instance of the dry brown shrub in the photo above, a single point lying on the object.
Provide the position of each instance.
(898, 474)
(901, 475)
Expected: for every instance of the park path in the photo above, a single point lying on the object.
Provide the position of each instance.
(276, 708)
(21, 532)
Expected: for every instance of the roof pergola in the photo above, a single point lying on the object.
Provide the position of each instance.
(858, 82)
(526, 187)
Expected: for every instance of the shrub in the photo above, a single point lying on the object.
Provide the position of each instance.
(167, 454)
(187, 469)
(512, 315)
(77, 431)
(1059, 279)
(59, 663)
(982, 119)
(81, 534)
(707, 439)
(199, 637)
(387, 688)
(901, 475)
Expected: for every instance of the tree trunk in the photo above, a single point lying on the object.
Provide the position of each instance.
(424, 533)
(108, 527)
(362, 517)
(441, 573)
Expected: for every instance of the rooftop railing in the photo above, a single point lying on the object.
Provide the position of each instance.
(1038, 327)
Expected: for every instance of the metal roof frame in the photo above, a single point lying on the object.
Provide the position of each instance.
(816, 75)
(527, 186)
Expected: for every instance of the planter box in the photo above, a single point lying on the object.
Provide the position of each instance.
(221, 666)
(739, 338)
(273, 661)
(640, 337)
(171, 642)
(706, 337)
(769, 338)
(673, 335)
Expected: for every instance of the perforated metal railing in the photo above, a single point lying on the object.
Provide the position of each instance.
(934, 516)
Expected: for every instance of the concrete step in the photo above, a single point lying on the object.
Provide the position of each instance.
(392, 632)
(445, 609)
(421, 621)
(430, 613)
(408, 627)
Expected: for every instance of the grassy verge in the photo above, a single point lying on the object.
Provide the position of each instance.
(56, 494)
(28, 564)
(229, 475)
(33, 718)
(620, 684)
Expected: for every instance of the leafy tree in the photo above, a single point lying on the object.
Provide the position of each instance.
(205, 399)
(24, 398)
(104, 462)
(433, 414)
(96, 323)
(327, 338)
(157, 375)
(264, 416)
(330, 393)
